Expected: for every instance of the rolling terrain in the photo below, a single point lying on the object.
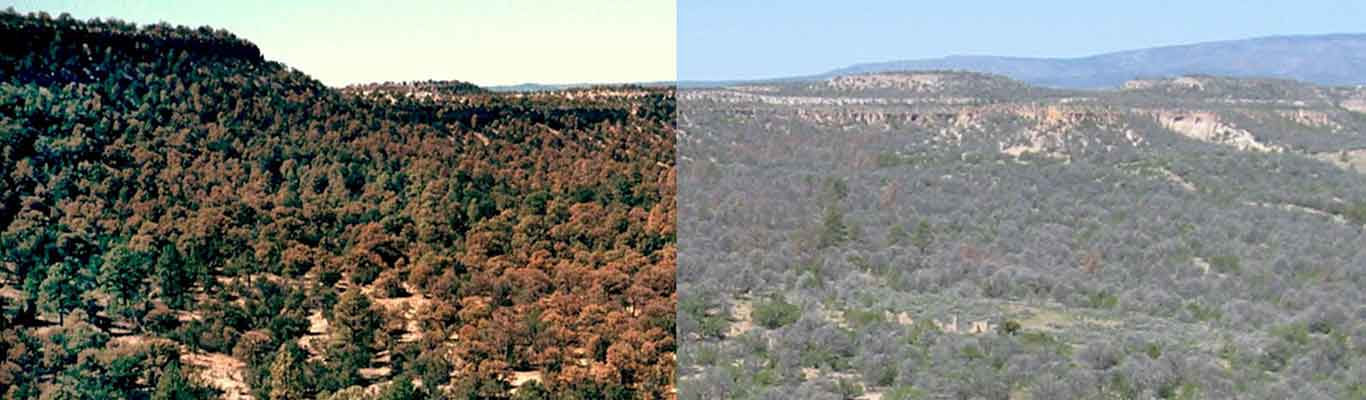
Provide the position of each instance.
(938, 234)
(182, 218)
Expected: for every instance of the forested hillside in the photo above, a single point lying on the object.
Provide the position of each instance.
(945, 235)
(180, 217)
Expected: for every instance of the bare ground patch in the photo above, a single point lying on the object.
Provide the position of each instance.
(220, 371)
(742, 317)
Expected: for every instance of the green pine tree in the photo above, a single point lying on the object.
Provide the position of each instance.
(172, 385)
(923, 237)
(897, 235)
(286, 374)
(833, 230)
(354, 322)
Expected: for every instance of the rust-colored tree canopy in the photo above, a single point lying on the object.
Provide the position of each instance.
(168, 196)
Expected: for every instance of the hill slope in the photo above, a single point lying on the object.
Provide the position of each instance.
(179, 215)
(1323, 59)
(957, 235)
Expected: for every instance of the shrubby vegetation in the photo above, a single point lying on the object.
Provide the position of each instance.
(1102, 267)
(168, 193)
(776, 313)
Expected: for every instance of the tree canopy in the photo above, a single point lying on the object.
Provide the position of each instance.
(168, 183)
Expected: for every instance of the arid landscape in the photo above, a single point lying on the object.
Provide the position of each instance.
(670, 199)
(940, 234)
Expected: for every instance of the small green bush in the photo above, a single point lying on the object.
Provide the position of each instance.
(1225, 264)
(776, 313)
(1010, 327)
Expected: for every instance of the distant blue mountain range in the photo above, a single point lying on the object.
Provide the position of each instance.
(1336, 59)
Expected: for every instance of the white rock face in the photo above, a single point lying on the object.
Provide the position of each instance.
(1206, 126)
(1358, 105)
(1312, 118)
(1188, 82)
(918, 82)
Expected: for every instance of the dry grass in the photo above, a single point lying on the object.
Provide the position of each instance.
(316, 338)
(520, 378)
(220, 371)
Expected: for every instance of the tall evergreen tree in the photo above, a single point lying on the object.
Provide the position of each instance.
(172, 385)
(287, 379)
(123, 276)
(354, 322)
(63, 288)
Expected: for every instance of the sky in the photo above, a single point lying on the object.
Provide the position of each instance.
(489, 42)
(751, 39)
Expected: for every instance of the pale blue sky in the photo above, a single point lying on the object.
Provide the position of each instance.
(568, 41)
(741, 39)
(492, 42)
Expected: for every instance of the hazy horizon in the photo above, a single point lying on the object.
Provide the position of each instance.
(510, 42)
(720, 40)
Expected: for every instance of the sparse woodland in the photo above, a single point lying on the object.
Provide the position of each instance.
(168, 196)
(959, 238)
